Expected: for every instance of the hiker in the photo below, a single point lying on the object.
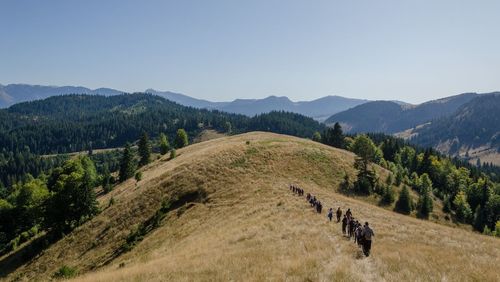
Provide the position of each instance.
(319, 207)
(348, 213)
(359, 235)
(367, 239)
(351, 227)
(344, 224)
(339, 214)
(330, 214)
(308, 197)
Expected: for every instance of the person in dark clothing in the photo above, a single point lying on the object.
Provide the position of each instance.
(359, 235)
(344, 224)
(330, 214)
(339, 214)
(351, 227)
(348, 213)
(319, 207)
(367, 239)
(308, 197)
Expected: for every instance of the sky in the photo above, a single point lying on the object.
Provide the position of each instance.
(222, 50)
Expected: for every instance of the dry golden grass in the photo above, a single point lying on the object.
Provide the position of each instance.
(252, 228)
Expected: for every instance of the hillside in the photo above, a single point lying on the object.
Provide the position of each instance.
(392, 117)
(228, 215)
(472, 131)
(70, 123)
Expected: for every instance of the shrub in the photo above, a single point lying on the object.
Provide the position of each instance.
(138, 176)
(66, 272)
(173, 154)
(25, 236)
(33, 231)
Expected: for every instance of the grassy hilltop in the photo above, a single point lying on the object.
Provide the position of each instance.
(221, 210)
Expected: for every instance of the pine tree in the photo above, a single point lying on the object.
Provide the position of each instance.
(127, 167)
(387, 195)
(106, 180)
(181, 139)
(479, 218)
(164, 145)
(144, 150)
(403, 205)
(425, 204)
(334, 136)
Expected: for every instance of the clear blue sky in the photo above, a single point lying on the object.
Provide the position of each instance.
(222, 50)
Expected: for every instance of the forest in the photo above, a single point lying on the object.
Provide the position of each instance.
(470, 194)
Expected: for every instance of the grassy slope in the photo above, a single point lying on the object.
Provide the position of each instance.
(252, 228)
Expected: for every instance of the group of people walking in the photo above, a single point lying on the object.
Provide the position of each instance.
(351, 227)
(296, 190)
(315, 203)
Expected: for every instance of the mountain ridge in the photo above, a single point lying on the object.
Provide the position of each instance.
(391, 117)
(319, 108)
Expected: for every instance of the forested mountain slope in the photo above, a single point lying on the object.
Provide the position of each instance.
(391, 117)
(476, 124)
(68, 123)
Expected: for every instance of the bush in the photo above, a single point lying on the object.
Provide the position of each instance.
(173, 154)
(66, 272)
(25, 236)
(33, 231)
(138, 176)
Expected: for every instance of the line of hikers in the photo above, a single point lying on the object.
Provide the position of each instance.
(296, 190)
(351, 227)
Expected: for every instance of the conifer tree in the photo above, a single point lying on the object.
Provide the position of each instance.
(425, 204)
(106, 180)
(127, 167)
(144, 150)
(403, 205)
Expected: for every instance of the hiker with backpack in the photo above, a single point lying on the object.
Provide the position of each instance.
(359, 235)
(330, 214)
(367, 234)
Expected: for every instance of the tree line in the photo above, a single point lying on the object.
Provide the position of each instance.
(468, 192)
(64, 197)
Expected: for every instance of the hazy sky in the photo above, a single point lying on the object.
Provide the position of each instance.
(222, 50)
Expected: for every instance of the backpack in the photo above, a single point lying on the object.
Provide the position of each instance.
(367, 233)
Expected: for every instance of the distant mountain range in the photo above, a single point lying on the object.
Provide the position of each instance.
(319, 109)
(392, 117)
(16, 93)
